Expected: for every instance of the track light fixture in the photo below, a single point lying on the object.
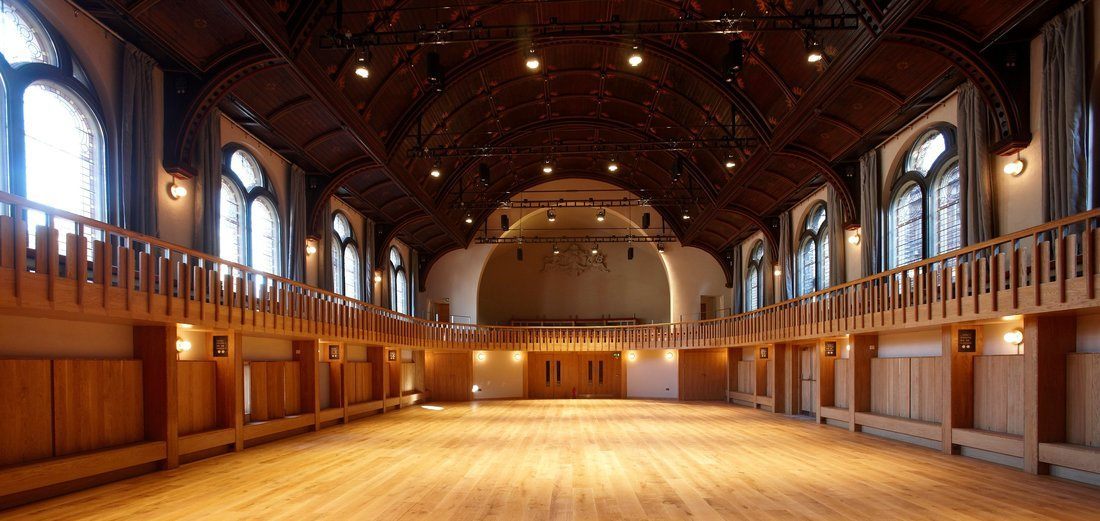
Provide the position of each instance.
(533, 61)
(730, 162)
(437, 170)
(601, 214)
(362, 65)
(595, 249)
(635, 58)
(660, 247)
(548, 166)
(814, 52)
(551, 216)
(613, 165)
(556, 250)
(469, 218)
(685, 214)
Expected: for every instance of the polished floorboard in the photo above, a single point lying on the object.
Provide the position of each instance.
(579, 459)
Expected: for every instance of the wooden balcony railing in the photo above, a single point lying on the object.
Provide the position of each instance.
(99, 271)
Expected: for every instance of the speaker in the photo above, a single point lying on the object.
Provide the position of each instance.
(504, 222)
(483, 174)
(645, 221)
(734, 60)
(630, 253)
(436, 74)
(519, 254)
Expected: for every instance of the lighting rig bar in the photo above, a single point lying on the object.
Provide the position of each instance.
(444, 34)
(554, 150)
(599, 239)
(575, 203)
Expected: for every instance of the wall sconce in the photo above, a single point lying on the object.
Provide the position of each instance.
(776, 271)
(311, 245)
(853, 239)
(1015, 167)
(377, 276)
(176, 191)
(182, 345)
(632, 356)
(1015, 337)
(517, 356)
(669, 355)
(475, 389)
(481, 356)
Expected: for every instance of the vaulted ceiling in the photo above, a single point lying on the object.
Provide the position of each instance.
(798, 126)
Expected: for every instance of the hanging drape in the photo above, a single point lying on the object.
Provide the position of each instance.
(414, 277)
(835, 221)
(135, 184)
(786, 258)
(870, 213)
(324, 250)
(737, 303)
(207, 185)
(296, 226)
(975, 172)
(768, 278)
(1064, 115)
(368, 261)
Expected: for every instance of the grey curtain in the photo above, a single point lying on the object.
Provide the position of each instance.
(975, 174)
(296, 225)
(786, 260)
(837, 259)
(768, 277)
(737, 303)
(324, 250)
(1064, 113)
(207, 186)
(414, 278)
(870, 213)
(135, 185)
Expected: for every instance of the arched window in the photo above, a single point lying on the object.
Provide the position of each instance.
(249, 228)
(345, 258)
(399, 283)
(925, 210)
(813, 252)
(63, 145)
(754, 278)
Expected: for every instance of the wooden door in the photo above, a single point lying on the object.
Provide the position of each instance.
(600, 375)
(808, 380)
(448, 375)
(567, 375)
(703, 374)
(443, 311)
(540, 375)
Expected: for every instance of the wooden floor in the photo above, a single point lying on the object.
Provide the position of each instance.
(581, 460)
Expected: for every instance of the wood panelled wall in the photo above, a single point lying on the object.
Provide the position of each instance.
(998, 394)
(360, 383)
(95, 404)
(198, 397)
(907, 388)
(275, 390)
(703, 374)
(746, 376)
(840, 383)
(1083, 399)
(449, 375)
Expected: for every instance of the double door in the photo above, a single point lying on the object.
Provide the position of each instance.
(568, 375)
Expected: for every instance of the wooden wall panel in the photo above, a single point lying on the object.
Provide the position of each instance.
(26, 431)
(702, 374)
(258, 392)
(276, 390)
(1083, 399)
(926, 389)
(360, 386)
(999, 393)
(198, 400)
(97, 404)
(890, 386)
(840, 390)
(746, 376)
(771, 375)
(449, 375)
(292, 388)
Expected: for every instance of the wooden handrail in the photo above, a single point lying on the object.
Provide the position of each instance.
(978, 281)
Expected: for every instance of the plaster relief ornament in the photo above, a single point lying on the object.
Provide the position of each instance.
(575, 260)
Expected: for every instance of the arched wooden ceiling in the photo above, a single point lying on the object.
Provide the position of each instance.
(261, 62)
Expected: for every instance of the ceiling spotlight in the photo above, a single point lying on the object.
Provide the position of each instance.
(547, 166)
(853, 239)
(469, 218)
(362, 66)
(556, 250)
(595, 249)
(814, 52)
(635, 58)
(660, 247)
(776, 271)
(532, 59)
(613, 166)
(730, 162)
(551, 216)
(601, 215)
(685, 215)
(1014, 167)
(176, 191)
(437, 170)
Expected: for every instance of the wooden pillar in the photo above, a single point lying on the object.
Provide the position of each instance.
(733, 356)
(958, 379)
(306, 352)
(763, 354)
(864, 348)
(1048, 340)
(230, 378)
(155, 346)
(377, 358)
(781, 377)
(825, 391)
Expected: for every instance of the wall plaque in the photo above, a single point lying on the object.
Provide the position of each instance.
(830, 348)
(221, 346)
(334, 352)
(968, 340)
(763, 353)
(391, 355)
